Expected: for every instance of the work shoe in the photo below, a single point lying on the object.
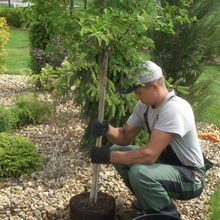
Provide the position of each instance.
(119, 202)
(136, 205)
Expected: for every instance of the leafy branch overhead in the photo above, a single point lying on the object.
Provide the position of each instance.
(121, 24)
(123, 28)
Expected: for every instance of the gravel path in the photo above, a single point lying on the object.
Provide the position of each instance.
(68, 171)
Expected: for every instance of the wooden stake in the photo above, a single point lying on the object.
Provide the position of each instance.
(103, 61)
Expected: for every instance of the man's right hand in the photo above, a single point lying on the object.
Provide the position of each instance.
(98, 128)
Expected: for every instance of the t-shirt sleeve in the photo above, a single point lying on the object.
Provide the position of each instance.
(136, 119)
(174, 119)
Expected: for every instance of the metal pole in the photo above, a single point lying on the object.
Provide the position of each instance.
(9, 3)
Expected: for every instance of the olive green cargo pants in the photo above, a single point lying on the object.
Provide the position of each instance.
(155, 185)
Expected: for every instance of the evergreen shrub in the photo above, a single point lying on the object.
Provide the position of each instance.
(45, 44)
(185, 53)
(29, 110)
(18, 155)
(38, 39)
(14, 16)
(7, 119)
(201, 97)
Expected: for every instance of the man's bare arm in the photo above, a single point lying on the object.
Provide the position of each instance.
(123, 135)
(147, 154)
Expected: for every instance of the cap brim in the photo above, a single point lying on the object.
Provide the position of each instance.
(129, 90)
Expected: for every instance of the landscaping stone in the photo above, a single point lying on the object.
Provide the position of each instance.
(45, 195)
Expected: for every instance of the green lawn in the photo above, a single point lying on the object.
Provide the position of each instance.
(18, 52)
(212, 71)
(4, 5)
(215, 205)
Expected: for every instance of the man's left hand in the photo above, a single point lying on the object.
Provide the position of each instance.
(100, 154)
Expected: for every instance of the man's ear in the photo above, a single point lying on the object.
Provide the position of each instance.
(155, 85)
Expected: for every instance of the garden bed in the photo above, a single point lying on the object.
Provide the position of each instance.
(68, 171)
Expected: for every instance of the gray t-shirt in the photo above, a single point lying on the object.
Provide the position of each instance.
(174, 115)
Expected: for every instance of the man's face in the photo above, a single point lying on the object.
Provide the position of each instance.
(147, 95)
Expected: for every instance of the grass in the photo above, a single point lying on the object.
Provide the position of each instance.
(6, 5)
(215, 204)
(212, 71)
(2, 5)
(18, 52)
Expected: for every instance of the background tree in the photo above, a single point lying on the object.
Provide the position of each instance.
(184, 54)
(43, 17)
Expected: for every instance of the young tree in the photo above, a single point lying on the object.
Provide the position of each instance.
(118, 28)
(106, 37)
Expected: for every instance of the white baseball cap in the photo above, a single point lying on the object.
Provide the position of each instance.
(147, 72)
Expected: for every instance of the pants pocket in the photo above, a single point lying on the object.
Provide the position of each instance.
(192, 183)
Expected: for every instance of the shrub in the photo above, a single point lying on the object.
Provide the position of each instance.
(44, 80)
(45, 45)
(3, 40)
(29, 110)
(7, 119)
(38, 40)
(52, 55)
(201, 96)
(18, 155)
(50, 79)
(14, 16)
(185, 53)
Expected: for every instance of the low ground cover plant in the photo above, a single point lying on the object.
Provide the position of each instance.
(29, 110)
(7, 119)
(18, 155)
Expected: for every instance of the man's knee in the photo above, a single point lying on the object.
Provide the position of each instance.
(137, 177)
(115, 148)
(123, 148)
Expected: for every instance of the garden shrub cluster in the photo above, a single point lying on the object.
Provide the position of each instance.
(45, 44)
(14, 16)
(7, 119)
(3, 40)
(27, 110)
(18, 155)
